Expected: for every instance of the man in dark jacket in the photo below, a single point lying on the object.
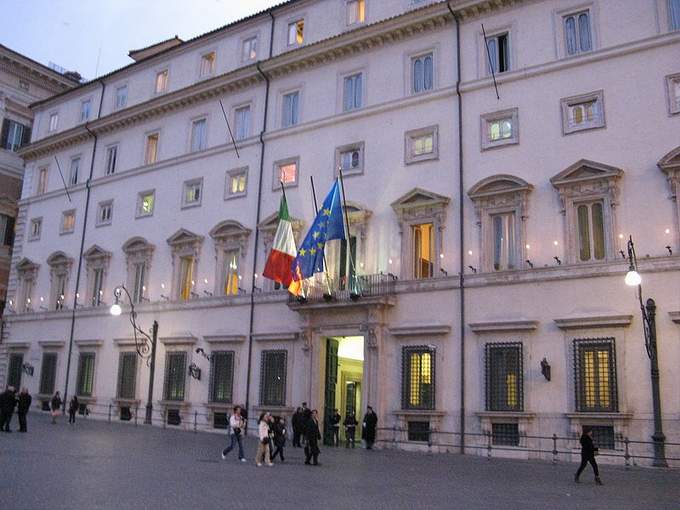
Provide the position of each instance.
(335, 423)
(350, 429)
(588, 450)
(369, 427)
(7, 403)
(312, 434)
(297, 427)
(23, 405)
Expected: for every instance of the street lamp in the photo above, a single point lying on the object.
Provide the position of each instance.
(648, 310)
(145, 346)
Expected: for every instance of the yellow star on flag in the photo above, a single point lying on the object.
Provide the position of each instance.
(315, 235)
(303, 251)
(312, 251)
(326, 212)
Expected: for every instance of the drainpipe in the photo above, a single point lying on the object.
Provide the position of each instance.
(461, 241)
(82, 246)
(257, 218)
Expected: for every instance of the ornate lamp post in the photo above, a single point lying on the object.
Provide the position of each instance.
(648, 310)
(145, 345)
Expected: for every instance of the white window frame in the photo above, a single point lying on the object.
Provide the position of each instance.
(561, 35)
(100, 207)
(293, 22)
(568, 102)
(64, 214)
(237, 125)
(116, 105)
(671, 28)
(32, 236)
(107, 167)
(190, 184)
(236, 172)
(53, 122)
(203, 143)
(138, 208)
(673, 97)
(71, 176)
(39, 189)
(488, 118)
(213, 66)
(341, 90)
(163, 90)
(410, 74)
(147, 135)
(358, 22)
(276, 183)
(246, 41)
(298, 91)
(88, 102)
(350, 147)
(485, 69)
(409, 139)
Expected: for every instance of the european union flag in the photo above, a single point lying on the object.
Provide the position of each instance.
(327, 225)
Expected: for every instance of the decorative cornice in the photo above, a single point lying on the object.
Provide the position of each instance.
(18, 346)
(51, 344)
(504, 325)
(594, 321)
(180, 339)
(506, 414)
(274, 337)
(420, 330)
(89, 343)
(126, 342)
(223, 339)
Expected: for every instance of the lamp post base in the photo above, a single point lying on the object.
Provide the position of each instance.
(659, 450)
(149, 413)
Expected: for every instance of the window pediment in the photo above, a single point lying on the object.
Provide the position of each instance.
(229, 229)
(587, 178)
(498, 185)
(138, 245)
(96, 253)
(27, 267)
(59, 260)
(271, 222)
(357, 213)
(670, 165)
(183, 238)
(418, 202)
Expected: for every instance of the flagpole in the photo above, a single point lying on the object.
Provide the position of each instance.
(347, 233)
(325, 265)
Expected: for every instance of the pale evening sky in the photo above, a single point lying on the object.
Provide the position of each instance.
(76, 33)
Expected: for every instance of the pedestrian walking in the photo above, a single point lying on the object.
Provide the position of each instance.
(297, 423)
(588, 452)
(369, 427)
(312, 435)
(55, 407)
(335, 427)
(236, 426)
(8, 402)
(350, 424)
(279, 437)
(23, 405)
(72, 408)
(263, 446)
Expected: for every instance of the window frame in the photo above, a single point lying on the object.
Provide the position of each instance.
(569, 102)
(342, 90)
(64, 214)
(284, 124)
(119, 375)
(40, 190)
(181, 377)
(82, 386)
(672, 28)
(276, 183)
(487, 118)
(213, 65)
(350, 147)
(409, 140)
(53, 127)
(202, 142)
(492, 396)
(294, 21)
(358, 22)
(158, 72)
(411, 74)
(428, 401)
(673, 97)
(71, 175)
(190, 183)
(592, 258)
(281, 392)
(100, 206)
(577, 31)
(84, 102)
(108, 168)
(147, 136)
(116, 105)
(230, 174)
(140, 198)
(35, 221)
(242, 43)
(44, 374)
(580, 392)
(237, 125)
(231, 363)
(560, 33)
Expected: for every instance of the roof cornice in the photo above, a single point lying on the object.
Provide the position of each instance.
(28, 68)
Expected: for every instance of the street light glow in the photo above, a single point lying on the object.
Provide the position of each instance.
(116, 310)
(633, 278)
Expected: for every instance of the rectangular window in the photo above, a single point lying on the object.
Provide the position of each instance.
(73, 172)
(422, 145)
(85, 380)
(505, 434)
(577, 33)
(186, 275)
(500, 129)
(111, 158)
(42, 180)
(673, 85)
(222, 376)
(175, 375)
(603, 436)
(151, 151)
(418, 378)
(674, 14)
(97, 286)
(54, 122)
(418, 431)
(145, 203)
(237, 181)
(139, 287)
(6, 230)
(161, 81)
(14, 135)
(68, 222)
(105, 213)
(85, 108)
(59, 291)
(498, 56)
(230, 280)
(583, 112)
(48, 373)
(273, 368)
(290, 109)
(199, 132)
(504, 377)
(249, 49)
(591, 231)
(242, 123)
(352, 92)
(296, 33)
(504, 242)
(14, 370)
(193, 191)
(422, 71)
(35, 229)
(208, 64)
(350, 158)
(286, 173)
(595, 376)
(121, 97)
(356, 11)
(127, 375)
(423, 250)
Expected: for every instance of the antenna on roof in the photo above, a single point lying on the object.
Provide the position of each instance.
(226, 119)
(62, 179)
(96, 68)
(488, 56)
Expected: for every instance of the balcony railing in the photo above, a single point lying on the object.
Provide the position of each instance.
(355, 288)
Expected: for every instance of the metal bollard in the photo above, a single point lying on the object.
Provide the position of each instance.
(165, 417)
(488, 438)
(136, 410)
(554, 452)
(109, 413)
(394, 436)
(626, 456)
(429, 439)
(195, 421)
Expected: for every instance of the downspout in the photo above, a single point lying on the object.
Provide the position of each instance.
(461, 241)
(82, 246)
(257, 218)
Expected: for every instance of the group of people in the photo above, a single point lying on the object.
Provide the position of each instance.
(272, 433)
(9, 400)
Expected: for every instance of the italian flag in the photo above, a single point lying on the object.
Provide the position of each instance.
(280, 260)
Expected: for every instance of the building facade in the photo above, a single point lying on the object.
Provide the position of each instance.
(482, 285)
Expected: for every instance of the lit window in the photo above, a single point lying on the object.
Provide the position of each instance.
(42, 180)
(105, 213)
(500, 128)
(230, 279)
(286, 173)
(423, 73)
(36, 228)
(356, 11)
(73, 173)
(423, 251)
(504, 241)
(151, 152)
(242, 124)
(68, 222)
(59, 291)
(296, 33)
(595, 377)
(111, 158)
(583, 112)
(577, 33)
(418, 378)
(199, 135)
(290, 109)
(161, 81)
(145, 203)
(192, 193)
(208, 64)
(504, 378)
(186, 275)
(139, 282)
(85, 108)
(97, 286)
(121, 97)
(497, 57)
(350, 159)
(54, 122)
(249, 49)
(236, 183)
(352, 92)
(591, 241)
(422, 145)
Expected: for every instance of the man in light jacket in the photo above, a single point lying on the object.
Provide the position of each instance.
(236, 426)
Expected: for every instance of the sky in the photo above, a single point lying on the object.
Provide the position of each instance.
(93, 37)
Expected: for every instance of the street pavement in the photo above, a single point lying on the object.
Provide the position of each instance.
(97, 465)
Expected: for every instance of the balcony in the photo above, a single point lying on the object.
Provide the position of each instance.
(368, 289)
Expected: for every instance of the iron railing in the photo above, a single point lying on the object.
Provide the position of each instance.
(331, 289)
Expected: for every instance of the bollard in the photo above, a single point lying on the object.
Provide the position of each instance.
(195, 420)
(165, 417)
(109, 413)
(429, 440)
(488, 443)
(554, 452)
(136, 410)
(627, 454)
(394, 436)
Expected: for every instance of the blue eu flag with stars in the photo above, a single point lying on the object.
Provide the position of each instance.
(327, 225)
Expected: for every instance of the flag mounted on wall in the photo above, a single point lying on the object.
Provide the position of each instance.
(280, 261)
(328, 225)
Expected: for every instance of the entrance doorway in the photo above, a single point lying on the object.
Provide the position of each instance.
(343, 385)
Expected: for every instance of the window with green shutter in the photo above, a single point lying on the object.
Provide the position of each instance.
(127, 375)
(16, 361)
(85, 379)
(48, 373)
(222, 376)
(273, 378)
(175, 375)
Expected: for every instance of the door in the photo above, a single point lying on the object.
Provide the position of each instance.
(329, 393)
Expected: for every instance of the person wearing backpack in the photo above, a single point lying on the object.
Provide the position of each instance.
(236, 426)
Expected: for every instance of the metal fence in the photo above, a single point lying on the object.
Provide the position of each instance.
(363, 286)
